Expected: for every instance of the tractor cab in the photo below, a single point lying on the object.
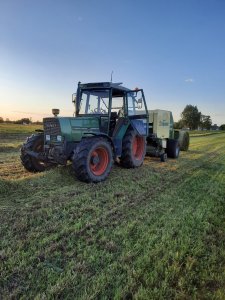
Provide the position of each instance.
(113, 105)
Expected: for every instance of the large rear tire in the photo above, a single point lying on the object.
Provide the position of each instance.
(133, 149)
(173, 148)
(92, 159)
(34, 143)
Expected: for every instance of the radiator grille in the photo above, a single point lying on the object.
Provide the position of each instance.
(51, 126)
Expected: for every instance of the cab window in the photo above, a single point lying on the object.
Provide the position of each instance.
(135, 103)
(94, 102)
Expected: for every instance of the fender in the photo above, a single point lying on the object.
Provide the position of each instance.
(118, 134)
(140, 127)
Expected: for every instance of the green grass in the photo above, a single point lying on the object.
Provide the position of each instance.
(195, 133)
(157, 232)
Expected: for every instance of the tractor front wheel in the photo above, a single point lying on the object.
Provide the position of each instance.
(133, 150)
(34, 143)
(92, 160)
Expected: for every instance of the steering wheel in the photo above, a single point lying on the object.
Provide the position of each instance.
(103, 111)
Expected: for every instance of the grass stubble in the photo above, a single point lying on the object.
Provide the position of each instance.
(157, 232)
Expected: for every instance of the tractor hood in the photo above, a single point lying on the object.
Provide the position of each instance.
(71, 128)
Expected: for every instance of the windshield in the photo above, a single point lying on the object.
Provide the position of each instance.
(94, 102)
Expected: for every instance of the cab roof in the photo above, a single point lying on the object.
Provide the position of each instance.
(107, 85)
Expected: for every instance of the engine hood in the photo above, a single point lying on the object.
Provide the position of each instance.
(74, 128)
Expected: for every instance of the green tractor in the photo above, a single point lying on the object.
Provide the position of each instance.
(111, 123)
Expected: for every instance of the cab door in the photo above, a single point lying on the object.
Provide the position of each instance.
(136, 111)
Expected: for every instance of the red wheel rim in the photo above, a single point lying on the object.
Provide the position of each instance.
(99, 161)
(138, 147)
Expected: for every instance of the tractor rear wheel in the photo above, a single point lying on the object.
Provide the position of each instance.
(92, 159)
(133, 149)
(173, 148)
(34, 143)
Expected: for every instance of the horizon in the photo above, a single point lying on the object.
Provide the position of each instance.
(174, 50)
(24, 115)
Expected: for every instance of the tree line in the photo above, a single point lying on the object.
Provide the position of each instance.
(193, 119)
(25, 121)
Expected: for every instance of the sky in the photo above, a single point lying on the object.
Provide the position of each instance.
(173, 49)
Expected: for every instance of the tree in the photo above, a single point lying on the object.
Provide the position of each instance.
(191, 116)
(222, 127)
(23, 121)
(178, 125)
(1, 120)
(7, 120)
(205, 122)
(38, 122)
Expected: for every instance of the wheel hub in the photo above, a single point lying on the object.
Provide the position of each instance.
(99, 161)
(95, 160)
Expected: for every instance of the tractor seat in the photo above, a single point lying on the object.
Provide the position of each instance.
(114, 115)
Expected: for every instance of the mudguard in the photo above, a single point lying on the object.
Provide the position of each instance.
(118, 134)
(140, 126)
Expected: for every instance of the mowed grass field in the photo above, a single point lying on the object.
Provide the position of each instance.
(157, 232)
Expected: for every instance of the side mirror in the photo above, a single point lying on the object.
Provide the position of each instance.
(139, 103)
(74, 98)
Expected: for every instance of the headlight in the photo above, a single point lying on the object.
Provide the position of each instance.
(59, 138)
(47, 137)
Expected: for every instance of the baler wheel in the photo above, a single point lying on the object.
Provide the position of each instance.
(173, 148)
(133, 149)
(184, 140)
(163, 157)
(92, 159)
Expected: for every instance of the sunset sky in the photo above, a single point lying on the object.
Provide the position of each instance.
(173, 49)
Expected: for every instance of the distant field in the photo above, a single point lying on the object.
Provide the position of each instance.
(12, 135)
(157, 232)
(19, 129)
